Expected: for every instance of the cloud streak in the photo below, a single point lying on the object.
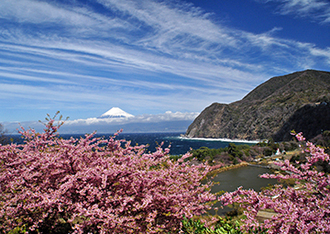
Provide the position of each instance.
(318, 10)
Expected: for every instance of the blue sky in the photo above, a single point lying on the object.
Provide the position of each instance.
(83, 57)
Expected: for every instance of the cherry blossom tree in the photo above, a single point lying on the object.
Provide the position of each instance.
(303, 208)
(95, 185)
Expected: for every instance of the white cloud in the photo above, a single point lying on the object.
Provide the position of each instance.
(170, 21)
(146, 118)
(321, 53)
(106, 56)
(303, 6)
(44, 13)
(185, 33)
(10, 74)
(315, 9)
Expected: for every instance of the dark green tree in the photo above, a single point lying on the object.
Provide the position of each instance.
(234, 151)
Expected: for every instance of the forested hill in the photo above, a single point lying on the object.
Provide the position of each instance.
(299, 101)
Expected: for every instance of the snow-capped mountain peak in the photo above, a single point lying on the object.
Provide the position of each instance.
(116, 112)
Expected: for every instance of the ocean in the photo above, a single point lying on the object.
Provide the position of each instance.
(178, 145)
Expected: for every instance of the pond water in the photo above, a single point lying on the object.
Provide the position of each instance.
(247, 176)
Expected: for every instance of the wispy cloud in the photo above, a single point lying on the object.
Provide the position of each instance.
(180, 31)
(44, 14)
(318, 10)
(175, 26)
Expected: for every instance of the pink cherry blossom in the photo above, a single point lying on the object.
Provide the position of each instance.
(96, 185)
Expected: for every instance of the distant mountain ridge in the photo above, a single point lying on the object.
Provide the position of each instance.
(299, 101)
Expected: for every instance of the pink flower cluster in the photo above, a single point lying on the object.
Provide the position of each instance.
(96, 185)
(303, 208)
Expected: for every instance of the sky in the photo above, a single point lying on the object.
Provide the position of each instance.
(148, 57)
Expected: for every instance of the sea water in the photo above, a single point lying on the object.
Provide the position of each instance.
(178, 144)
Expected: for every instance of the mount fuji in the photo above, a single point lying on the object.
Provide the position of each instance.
(116, 112)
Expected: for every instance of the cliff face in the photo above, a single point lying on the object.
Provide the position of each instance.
(299, 101)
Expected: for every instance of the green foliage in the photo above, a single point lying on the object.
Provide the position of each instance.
(222, 226)
(268, 151)
(270, 143)
(204, 153)
(269, 147)
(263, 143)
(235, 151)
(175, 157)
(18, 230)
(290, 145)
(326, 133)
(246, 151)
(326, 140)
(235, 161)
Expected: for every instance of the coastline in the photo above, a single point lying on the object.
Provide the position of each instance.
(182, 137)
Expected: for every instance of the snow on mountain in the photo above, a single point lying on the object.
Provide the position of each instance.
(116, 112)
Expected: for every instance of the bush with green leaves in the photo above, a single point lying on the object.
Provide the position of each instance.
(221, 226)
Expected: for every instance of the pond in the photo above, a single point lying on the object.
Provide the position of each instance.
(247, 176)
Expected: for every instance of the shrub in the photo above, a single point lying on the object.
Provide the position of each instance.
(235, 151)
(94, 185)
(303, 208)
(221, 226)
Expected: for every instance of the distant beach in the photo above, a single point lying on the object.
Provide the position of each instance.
(219, 139)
